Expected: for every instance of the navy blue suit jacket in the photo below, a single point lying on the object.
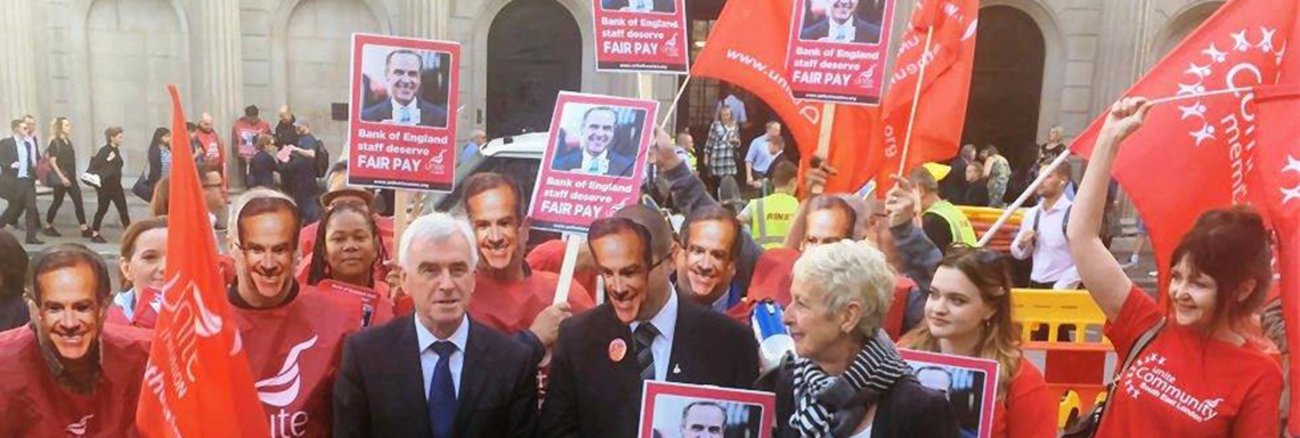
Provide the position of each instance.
(864, 31)
(619, 164)
(430, 114)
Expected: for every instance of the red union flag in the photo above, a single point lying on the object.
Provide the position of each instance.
(941, 107)
(197, 383)
(1206, 142)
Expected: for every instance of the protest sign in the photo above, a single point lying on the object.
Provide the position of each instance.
(969, 383)
(641, 35)
(375, 308)
(594, 160)
(402, 119)
(676, 409)
(838, 49)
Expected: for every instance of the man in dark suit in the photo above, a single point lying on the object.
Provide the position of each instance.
(639, 5)
(842, 25)
(438, 373)
(404, 107)
(594, 155)
(18, 157)
(644, 332)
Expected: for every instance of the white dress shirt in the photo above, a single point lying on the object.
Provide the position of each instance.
(844, 32)
(1050, 249)
(601, 162)
(666, 322)
(429, 359)
(413, 109)
(642, 5)
(23, 146)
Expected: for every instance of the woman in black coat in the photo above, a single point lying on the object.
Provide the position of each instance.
(63, 162)
(849, 381)
(107, 164)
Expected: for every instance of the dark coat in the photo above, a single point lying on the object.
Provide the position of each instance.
(864, 31)
(619, 164)
(380, 389)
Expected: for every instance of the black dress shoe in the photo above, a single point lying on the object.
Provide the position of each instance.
(34, 241)
(50, 231)
(87, 233)
(98, 239)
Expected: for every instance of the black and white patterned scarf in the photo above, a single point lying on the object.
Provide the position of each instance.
(828, 405)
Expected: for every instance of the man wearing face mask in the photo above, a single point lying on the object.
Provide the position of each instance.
(594, 155)
(67, 373)
(292, 333)
(516, 299)
(644, 332)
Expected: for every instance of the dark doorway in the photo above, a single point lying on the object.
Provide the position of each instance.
(1006, 85)
(534, 52)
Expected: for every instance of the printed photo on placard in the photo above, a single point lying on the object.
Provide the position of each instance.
(402, 117)
(641, 36)
(594, 160)
(696, 411)
(838, 50)
(970, 384)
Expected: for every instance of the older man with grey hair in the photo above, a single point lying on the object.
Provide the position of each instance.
(471, 379)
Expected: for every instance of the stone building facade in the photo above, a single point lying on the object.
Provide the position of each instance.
(1040, 63)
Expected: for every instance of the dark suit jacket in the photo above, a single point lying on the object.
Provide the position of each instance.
(8, 174)
(590, 395)
(430, 114)
(380, 390)
(659, 5)
(619, 164)
(864, 31)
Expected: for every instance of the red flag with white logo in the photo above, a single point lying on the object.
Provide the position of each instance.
(1276, 189)
(1195, 154)
(748, 48)
(197, 383)
(941, 106)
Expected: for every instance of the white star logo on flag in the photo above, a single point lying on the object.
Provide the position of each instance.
(1239, 41)
(1215, 54)
(1194, 110)
(1266, 38)
(1293, 193)
(1206, 133)
(1200, 71)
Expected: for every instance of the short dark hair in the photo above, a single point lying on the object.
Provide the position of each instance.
(598, 108)
(484, 181)
(706, 404)
(991, 149)
(715, 213)
(1063, 171)
(191, 127)
(388, 60)
(613, 225)
(251, 111)
(834, 202)
(15, 124)
(111, 132)
(784, 173)
(267, 205)
(68, 255)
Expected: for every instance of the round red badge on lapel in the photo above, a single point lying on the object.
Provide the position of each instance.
(617, 349)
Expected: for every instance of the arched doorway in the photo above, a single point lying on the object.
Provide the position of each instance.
(134, 48)
(534, 52)
(1180, 26)
(1006, 85)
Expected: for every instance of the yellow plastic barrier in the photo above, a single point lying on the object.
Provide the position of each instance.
(983, 218)
(1033, 308)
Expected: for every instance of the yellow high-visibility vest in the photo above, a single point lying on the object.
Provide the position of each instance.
(770, 218)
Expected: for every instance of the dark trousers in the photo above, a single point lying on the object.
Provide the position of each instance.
(73, 191)
(116, 196)
(23, 199)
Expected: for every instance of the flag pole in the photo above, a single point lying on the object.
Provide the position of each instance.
(1200, 95)
(827, 125)
(1033, 187)
(673, 108)
(916, 97)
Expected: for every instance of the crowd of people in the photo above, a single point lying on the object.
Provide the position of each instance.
(465, 338)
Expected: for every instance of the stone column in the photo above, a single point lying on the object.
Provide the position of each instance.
(428, 18)
(222, 91)
(18, 71)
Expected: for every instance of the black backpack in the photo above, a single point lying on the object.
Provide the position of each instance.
(322, 163)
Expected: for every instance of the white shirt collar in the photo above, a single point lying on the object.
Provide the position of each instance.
(666, 319)
(848, 25)
(1061, 204)
(425, 338)
(413, 107)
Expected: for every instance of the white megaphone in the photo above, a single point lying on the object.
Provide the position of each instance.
(774, 341)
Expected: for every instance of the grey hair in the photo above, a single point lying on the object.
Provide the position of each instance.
(436, 227)
(846, 272)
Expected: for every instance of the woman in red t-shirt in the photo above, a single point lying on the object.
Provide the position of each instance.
(1199, 376)
(968, 313)
(351, 255)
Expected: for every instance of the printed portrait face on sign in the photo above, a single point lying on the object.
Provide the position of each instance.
(969, 384)
(661, 6)
(599, 140)
(842, 21)
(690, 417)
(405, 87)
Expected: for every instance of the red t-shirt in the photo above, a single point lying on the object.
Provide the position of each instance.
(511, 306)
(1029, 411)
(549, 257)
(33, 404)
(294, 351)
(1185, 384)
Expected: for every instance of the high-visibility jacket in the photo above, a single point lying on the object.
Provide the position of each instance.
(770, 218)
(962, 232)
